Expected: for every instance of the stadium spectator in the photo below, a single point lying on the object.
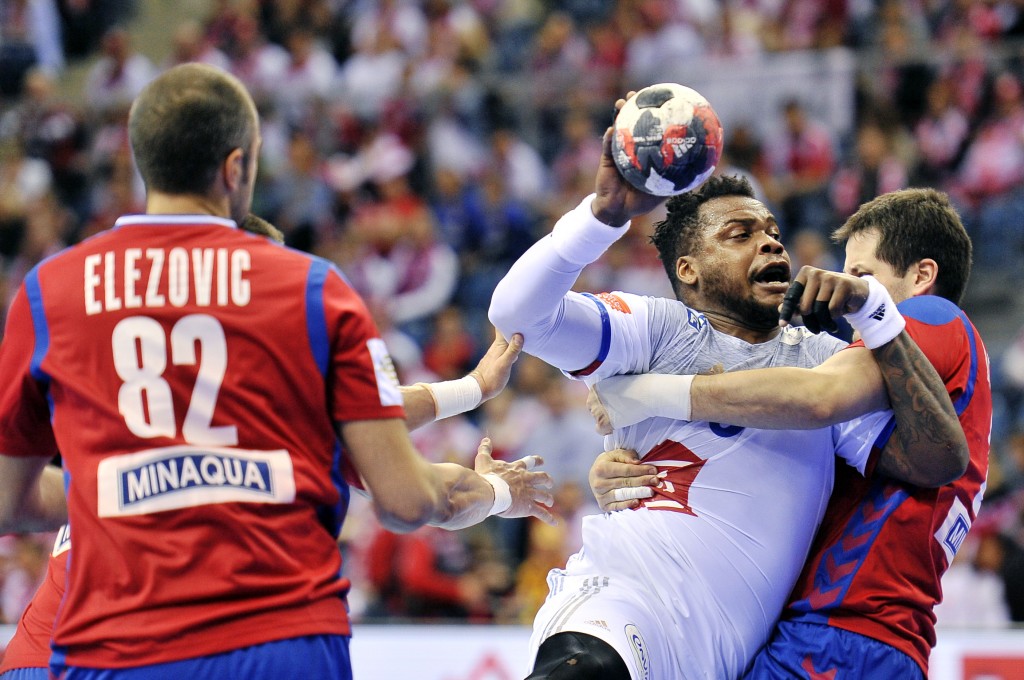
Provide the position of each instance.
(1003, 556)
(117, 77)
(941, 133)
(189, 43)
(29, 37)
(259, 64)
(299, 200)
(874, 170)
(800, 161)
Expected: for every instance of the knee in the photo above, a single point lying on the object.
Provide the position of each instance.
(578, 656)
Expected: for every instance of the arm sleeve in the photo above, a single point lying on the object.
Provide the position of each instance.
(363, 384)
(24, 411)
(561, 327)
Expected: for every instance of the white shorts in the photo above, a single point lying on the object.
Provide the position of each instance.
(611, 607)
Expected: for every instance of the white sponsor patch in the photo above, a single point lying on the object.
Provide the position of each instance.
(63, 542)
(187, 476)
(387, 377)
(953, 530)
(640, 654)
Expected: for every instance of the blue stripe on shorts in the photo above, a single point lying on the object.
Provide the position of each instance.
(302, 658)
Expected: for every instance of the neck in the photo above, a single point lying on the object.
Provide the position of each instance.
(159, 203)
(731, 326)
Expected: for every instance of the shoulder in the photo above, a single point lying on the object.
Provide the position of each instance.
(931, 310)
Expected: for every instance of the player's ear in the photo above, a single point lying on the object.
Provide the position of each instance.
(926, 274)
(685, 271)
(233, 169)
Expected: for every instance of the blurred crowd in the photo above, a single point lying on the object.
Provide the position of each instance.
(424, 145)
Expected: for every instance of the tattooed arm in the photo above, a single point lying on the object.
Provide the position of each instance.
(928, 447)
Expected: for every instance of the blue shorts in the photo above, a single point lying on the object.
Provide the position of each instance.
(314, 656)
(813, 650)
(26, 674)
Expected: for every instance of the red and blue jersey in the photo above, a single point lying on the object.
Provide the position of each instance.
(878, 558)
(191, 375)
(30, 646)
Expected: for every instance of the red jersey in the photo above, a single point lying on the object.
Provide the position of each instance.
(30, 646)
(191, 375)
(876, 563)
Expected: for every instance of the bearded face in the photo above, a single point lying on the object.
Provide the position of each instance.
(735, 297)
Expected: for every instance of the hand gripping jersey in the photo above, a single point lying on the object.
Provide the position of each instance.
(876, 564)
(689, 585)
(190, 375)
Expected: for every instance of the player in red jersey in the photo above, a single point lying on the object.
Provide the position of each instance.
(27, 655)
(206, 388)
(863, 605)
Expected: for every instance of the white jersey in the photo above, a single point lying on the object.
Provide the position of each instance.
(690, 585)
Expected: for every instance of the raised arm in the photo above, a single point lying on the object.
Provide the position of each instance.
(561, 327)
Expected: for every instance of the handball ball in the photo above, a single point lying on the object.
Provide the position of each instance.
(667, 139)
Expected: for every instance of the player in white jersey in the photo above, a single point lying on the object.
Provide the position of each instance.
(689, 585)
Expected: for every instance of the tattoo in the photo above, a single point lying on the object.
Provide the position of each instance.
(928, 445)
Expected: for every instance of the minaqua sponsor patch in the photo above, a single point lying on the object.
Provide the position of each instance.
(187, 476)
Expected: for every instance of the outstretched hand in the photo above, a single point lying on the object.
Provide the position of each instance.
(619, 480)
(617, 201)
(495, 367)
(531, 491)
(821, 297)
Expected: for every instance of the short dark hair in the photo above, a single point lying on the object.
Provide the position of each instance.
(680, 233)
(185, 123)
(914, 224)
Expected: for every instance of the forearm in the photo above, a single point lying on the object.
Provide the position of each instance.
(928, 447)
(420, 408)
(466, 496)
(780, 398)
(40, 505)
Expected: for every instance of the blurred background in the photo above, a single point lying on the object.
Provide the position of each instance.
(424, 145)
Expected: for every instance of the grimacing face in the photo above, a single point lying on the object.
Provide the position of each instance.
(861, 260)
(743, 269)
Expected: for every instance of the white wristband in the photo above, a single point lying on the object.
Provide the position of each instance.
(878, 321)
(453, 397)
(581, 238)
(502, 494)
(628, 399)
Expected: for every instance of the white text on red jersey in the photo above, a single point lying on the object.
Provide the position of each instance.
(157, 277)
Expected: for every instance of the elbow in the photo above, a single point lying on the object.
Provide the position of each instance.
(956, 458)
(948, 466)
(413, 509)
(404, 520)
(500, 315)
